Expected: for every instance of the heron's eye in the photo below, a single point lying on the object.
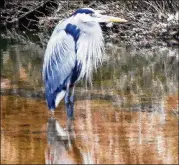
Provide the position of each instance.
(92, 14)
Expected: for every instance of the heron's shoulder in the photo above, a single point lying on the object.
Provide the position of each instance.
(68, 29)
(72, 30)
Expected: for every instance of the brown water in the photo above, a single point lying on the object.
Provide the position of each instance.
(129, 116)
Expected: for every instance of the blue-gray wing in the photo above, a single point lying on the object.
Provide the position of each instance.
(59, 61)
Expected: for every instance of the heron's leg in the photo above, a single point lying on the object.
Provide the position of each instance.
(72, 99)
(69, 102)
(70, 123)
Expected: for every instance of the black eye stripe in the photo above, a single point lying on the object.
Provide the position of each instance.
(81, 11)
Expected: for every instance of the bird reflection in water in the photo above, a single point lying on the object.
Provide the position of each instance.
(62, 147)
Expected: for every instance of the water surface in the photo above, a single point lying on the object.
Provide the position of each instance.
(128, 116)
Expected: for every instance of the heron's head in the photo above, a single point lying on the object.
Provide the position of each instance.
(88, 18)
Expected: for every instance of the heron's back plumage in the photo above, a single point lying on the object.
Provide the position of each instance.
(59, 62)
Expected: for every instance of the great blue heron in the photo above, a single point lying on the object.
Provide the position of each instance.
(74, 50)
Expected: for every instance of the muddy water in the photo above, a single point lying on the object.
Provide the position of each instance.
(128, 116)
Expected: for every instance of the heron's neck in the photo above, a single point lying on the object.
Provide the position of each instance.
(90, 48)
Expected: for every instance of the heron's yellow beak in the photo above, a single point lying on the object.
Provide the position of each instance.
(114, 19)
(105, 18)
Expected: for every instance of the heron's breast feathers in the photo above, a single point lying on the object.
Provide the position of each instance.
(90, 50)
